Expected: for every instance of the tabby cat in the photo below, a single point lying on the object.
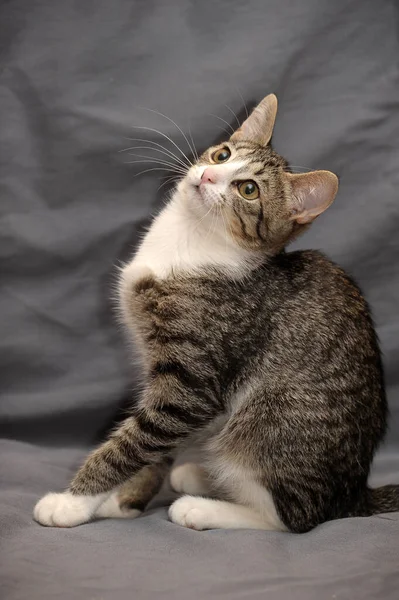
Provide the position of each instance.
(271, 355)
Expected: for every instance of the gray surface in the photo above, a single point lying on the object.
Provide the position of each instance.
(71, 74)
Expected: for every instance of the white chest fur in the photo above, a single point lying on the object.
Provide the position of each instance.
(180, 241)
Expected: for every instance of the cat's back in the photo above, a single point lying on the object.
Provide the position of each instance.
(322, 331)
(308, 282)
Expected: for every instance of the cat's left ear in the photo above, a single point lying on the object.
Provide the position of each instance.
(312, 194)
(259, 125)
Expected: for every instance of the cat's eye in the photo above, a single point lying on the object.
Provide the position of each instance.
(248, 190)
(221, 155)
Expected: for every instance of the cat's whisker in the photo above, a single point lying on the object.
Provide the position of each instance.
(166, 137)
(231, 231)
(173, 122)
(224, 121)
(169, 180)
(198, 223)
(224, 225)
(181, 243)
(216, 220)
(171, 171)
(166, 199)
(151, 159)
(210, 225)
(243, 101)
(226, 222)
(172, 154)
(160, 161)
(234, 115)
(152, 169)
(150, 149)
(195, 149)
(224, 130)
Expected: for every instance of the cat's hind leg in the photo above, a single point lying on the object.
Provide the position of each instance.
(252, 508)
(245, 502)
(190, 478)
(200, 513)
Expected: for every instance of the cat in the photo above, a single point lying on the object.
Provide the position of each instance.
(271, 355)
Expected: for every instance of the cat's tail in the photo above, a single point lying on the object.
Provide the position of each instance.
(383, 499)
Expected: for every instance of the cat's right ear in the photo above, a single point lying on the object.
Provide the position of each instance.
(312, 194)
(260, 123)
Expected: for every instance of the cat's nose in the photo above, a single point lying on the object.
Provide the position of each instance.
(208, 176)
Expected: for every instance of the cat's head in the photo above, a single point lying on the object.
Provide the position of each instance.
(248, 187)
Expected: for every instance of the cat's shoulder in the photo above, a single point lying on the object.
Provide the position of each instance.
(309, 260)
(315, 266)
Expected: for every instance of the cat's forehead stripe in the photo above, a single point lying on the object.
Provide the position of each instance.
(261, 154)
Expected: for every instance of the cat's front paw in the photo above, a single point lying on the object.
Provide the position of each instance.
(62, 510)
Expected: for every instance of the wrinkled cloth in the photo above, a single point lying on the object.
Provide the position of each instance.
(74, 77)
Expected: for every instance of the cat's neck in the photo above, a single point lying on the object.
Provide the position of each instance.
(179, 240)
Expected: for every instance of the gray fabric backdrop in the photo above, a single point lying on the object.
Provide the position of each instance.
(73, 74)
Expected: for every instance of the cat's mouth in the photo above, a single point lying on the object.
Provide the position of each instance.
(205, 193)
(209, 195)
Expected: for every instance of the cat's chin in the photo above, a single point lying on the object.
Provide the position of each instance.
(193, 197)
(197, 200)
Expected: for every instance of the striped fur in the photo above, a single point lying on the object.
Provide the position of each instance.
(278, 348)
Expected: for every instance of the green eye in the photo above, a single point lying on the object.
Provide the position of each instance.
(221, 155)
(248, 190)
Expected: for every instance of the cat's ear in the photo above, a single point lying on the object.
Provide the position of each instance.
(259, 125)
(312, 194)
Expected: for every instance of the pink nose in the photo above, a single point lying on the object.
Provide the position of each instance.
(208, 176)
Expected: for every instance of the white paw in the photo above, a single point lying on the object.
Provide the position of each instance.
(189, 479)
(110, 509)
(63, 510)
(192, 512)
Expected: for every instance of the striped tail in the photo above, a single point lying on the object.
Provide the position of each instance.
(384, 499)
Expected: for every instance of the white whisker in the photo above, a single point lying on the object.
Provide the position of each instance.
(159, 162)
(228, 223)
(243, 101)
(152, 169)
(214, 223)
(224, 130)
(166, 137)
(169, 180)
(172, 154)
(197, 224)
(171, 121)
(224, 225)
(234, 115)
(195, 149)
(224, 121)
(154, 150)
